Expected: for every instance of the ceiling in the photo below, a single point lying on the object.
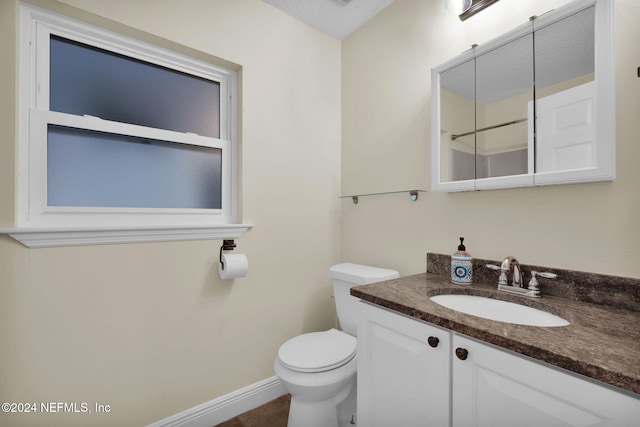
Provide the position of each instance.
(337, 18)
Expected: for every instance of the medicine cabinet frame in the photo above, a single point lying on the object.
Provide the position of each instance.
(603, 113)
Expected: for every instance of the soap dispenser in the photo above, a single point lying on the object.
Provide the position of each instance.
(461, 266)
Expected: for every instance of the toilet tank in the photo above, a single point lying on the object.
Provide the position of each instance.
(344, 277)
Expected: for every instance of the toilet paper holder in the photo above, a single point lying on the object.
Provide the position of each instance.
(227, 245)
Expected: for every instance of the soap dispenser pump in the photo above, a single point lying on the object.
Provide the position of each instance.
(461, 266)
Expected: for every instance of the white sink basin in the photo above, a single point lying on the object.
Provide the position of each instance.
(502, 311)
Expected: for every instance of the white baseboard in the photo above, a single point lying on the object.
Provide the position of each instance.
(225, 407)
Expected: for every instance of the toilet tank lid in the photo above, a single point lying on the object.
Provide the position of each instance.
(361, 274)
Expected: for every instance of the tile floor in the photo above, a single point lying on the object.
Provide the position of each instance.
(271, 414)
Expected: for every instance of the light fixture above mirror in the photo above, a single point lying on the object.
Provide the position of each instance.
(467, 8)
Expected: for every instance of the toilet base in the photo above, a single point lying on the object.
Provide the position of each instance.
(324, 413)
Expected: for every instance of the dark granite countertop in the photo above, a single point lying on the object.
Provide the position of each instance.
(602, 342)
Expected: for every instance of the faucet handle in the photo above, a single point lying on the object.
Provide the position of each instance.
(503, 273)
(533, 283)
(545, 274)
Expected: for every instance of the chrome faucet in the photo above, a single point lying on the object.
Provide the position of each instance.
(512, 264)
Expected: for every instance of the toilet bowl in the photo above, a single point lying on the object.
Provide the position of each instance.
(319, 369)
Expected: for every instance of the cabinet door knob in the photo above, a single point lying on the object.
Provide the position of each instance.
(462, 353)
(433, 341)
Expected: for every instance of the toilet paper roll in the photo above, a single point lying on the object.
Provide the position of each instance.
(233, 266)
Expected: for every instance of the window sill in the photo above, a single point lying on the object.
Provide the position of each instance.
(52, 237)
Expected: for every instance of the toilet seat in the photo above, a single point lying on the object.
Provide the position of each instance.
(318, 351)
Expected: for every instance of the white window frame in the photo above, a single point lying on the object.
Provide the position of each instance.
(40, 225)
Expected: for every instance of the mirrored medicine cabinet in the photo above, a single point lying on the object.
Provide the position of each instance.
(532, 107)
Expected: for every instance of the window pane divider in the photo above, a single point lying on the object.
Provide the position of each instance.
(60, 237)
(101, 125)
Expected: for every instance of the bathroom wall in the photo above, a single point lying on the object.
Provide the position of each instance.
(386, 147)
(150, 329)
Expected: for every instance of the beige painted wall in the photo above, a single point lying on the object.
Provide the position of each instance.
(150, 329)
(385, 147)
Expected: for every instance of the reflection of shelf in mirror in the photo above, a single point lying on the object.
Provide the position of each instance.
(513, 122)
(412, 193)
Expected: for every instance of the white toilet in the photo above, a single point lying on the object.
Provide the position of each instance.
(318, 369)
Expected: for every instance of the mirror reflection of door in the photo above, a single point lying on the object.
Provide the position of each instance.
(565, 93)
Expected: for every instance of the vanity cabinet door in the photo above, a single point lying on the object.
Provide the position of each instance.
(403, 371)
(493, 388)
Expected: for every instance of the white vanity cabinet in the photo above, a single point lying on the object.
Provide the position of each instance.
(493, 387)
(403, 381)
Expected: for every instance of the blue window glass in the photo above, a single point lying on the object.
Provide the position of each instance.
(95, 169)
(95, 82)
